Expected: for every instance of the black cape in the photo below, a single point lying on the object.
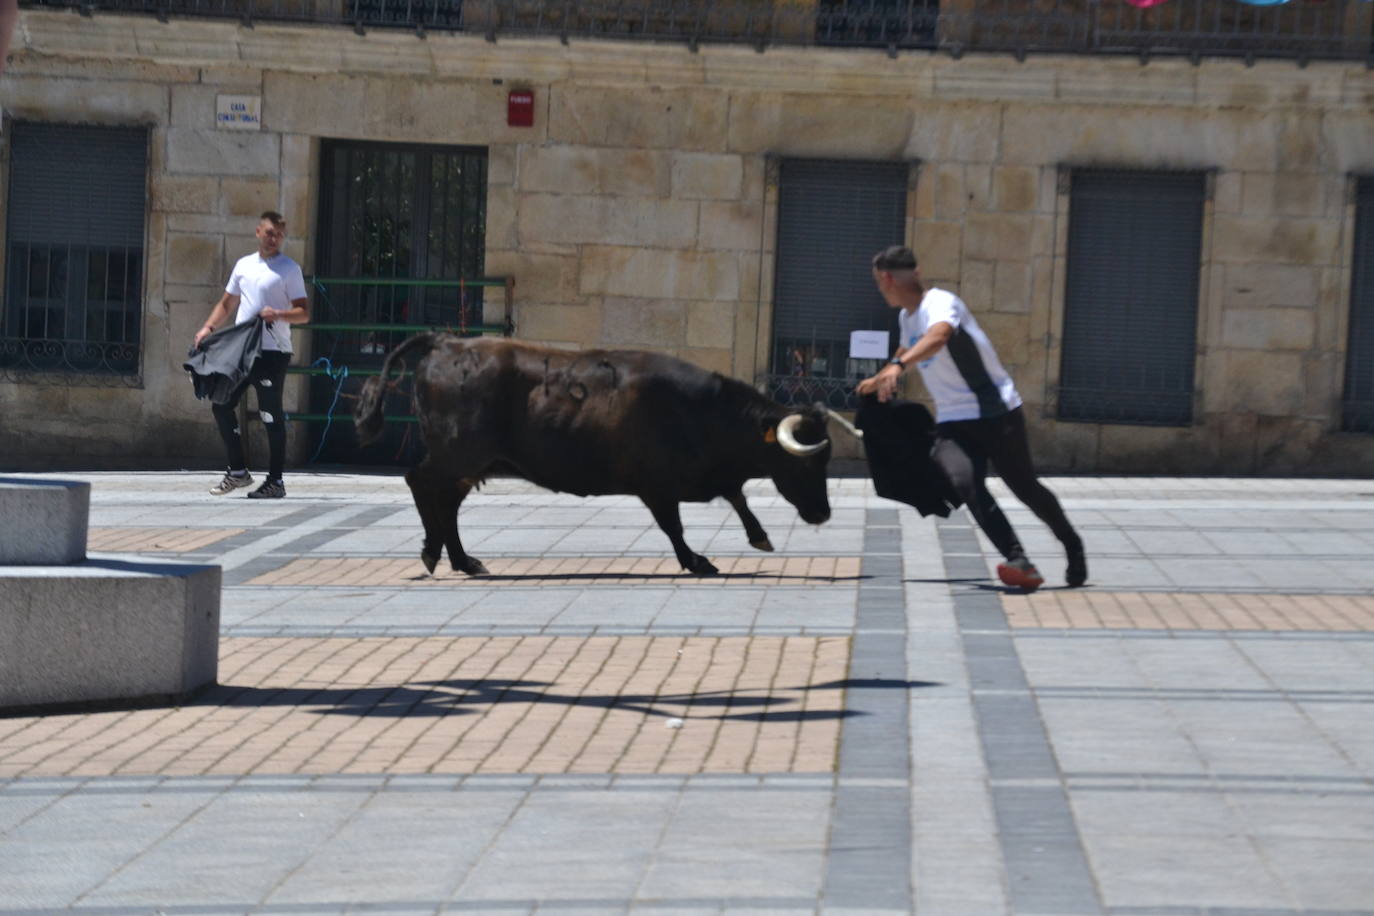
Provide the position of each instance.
(898, 437)
(220, 365)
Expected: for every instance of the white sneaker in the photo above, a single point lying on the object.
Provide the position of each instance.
(230, 483)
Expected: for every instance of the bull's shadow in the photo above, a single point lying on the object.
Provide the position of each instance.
(668, 577)
(469, 697)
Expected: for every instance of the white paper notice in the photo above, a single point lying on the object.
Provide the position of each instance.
(868, 345)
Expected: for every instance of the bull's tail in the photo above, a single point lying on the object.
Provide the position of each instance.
(368, 414)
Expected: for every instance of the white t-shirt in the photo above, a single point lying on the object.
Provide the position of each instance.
(259, 284)
(965, 378)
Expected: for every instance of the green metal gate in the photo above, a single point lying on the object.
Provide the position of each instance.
(401, 241)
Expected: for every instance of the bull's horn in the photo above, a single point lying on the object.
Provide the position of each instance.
(787, 437)
(849, 427)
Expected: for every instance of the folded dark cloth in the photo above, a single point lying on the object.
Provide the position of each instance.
(898, 437)
(220, 365)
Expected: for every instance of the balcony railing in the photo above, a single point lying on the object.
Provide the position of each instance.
(1301, 30)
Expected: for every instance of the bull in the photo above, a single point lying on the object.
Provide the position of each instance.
(595, 422)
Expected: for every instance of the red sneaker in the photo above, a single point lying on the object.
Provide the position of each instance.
(1019, 573)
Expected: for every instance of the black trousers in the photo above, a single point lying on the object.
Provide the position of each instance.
(963, 449)
(267, 377)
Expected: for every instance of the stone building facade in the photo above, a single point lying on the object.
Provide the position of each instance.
(640, 209)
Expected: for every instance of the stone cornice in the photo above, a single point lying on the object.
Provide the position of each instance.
(46, 37)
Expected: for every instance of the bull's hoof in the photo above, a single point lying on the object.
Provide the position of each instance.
(471, 567)
(762, 544)
(703, 567)
(431, 560)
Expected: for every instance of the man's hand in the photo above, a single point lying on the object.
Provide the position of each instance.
(203, 333)
(268, 313)
(884, 383)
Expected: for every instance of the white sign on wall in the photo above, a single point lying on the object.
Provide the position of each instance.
(868, 345)
(238, 112)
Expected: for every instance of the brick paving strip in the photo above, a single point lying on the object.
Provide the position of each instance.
(509, 704)
(383, 571)
(156, 540)
(1091, 609)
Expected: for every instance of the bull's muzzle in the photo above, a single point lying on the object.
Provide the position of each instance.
(787, 437)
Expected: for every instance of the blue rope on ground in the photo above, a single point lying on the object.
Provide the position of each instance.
(339, 375)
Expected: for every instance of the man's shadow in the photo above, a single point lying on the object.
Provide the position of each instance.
(986, 584)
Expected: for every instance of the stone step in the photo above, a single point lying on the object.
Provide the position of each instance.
(43, 522)
(110, 628)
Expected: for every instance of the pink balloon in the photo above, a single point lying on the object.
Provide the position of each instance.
(1145, 4)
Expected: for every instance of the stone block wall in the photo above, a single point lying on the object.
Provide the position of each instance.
(638, 211)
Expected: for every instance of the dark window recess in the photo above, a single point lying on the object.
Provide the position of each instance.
(1130, 311)
(74, 253)
(833, 216)
(1357, 413)
(392, 213)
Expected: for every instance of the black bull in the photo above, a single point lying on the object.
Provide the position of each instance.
(593, 423)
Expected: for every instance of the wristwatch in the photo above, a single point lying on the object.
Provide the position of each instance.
(896, 361)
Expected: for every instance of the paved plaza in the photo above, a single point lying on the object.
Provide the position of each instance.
(862, 721)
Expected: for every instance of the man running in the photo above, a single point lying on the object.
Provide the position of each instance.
(269, 285)
(977, 411)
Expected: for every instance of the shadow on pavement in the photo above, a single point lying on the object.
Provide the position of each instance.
(467, 697)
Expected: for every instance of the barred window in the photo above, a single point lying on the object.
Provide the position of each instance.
(74, 252)
(833, 216)
(1131, 296)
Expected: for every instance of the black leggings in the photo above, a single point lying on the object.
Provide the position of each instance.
(267, 377)
(963, 449)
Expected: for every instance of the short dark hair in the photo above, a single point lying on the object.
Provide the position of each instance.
(273, 217)
(897, 257)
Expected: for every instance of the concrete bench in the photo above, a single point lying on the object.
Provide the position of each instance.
(43, 522)
(94, 630)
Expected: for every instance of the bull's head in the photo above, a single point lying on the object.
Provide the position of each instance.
(798, 468)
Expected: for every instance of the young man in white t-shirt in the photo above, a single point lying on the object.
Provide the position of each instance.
(978, 413)
(265, 284)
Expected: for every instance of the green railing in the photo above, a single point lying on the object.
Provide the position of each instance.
(322, 284)
(343, 371)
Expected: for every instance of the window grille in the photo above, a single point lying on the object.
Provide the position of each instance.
(833, 216)
(74, 253)
(1131, 296)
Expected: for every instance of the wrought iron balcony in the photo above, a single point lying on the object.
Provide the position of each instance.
(1301, 30)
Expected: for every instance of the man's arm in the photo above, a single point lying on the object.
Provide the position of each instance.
(226, 304)
(298, 313)
(885, 382)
